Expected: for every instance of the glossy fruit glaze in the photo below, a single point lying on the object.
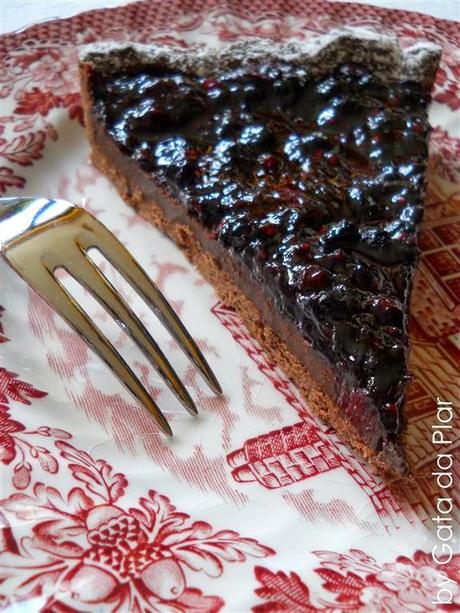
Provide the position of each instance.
(317, 184)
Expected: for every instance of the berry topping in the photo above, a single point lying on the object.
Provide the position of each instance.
(315, 183)
(269, 230)
(210, 83)
(314, 278)
(387, 310)
(270, 162)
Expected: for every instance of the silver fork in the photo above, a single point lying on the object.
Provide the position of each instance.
(39, 235)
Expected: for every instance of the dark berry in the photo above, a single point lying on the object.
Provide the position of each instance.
(314, 278)
(387, 310)
(270, 230)
(339, 256)
(362, 277)
(192, 154)
(333, 159)
(392, 331)
(270, 163)
(345, 233)
(209, 83)
(407, 237)
(392, 408)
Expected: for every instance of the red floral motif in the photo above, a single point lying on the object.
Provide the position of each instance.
(86, 548)
(12, 444)
(23, 149)
(44, 79)
(355, 582)
(233, 27)
(72, 102)
(12, 388)
(28, 57)
(7, 427)
(447, 90)
(282, 592)
(36, 101)
(9, 179)
(50, 70)
(37, 454)
(413, 586)
(41, 102)
(15, 440)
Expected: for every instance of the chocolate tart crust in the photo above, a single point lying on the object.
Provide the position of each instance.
(317, 384)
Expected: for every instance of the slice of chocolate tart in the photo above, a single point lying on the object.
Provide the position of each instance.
(293, 176)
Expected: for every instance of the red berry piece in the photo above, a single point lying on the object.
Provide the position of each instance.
(383, 303)
(305, 247)
(192, 154)
(291, 197)
(402, 200)
(358, 403)
(407, 237)
(270, 163)
(314, 278)
(333, 159)
(392, 408)
(386, 310)
(209, 84)
(270, 230)
(339, 256)
(392, 331)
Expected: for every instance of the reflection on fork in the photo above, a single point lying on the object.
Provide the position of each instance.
(39, 236)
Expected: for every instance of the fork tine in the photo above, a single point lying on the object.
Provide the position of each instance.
(40, 277)
(99, 237)
(84, 271)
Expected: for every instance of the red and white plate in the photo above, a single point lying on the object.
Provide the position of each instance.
(255, 505)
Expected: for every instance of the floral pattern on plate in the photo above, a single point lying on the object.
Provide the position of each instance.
(89, 492)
